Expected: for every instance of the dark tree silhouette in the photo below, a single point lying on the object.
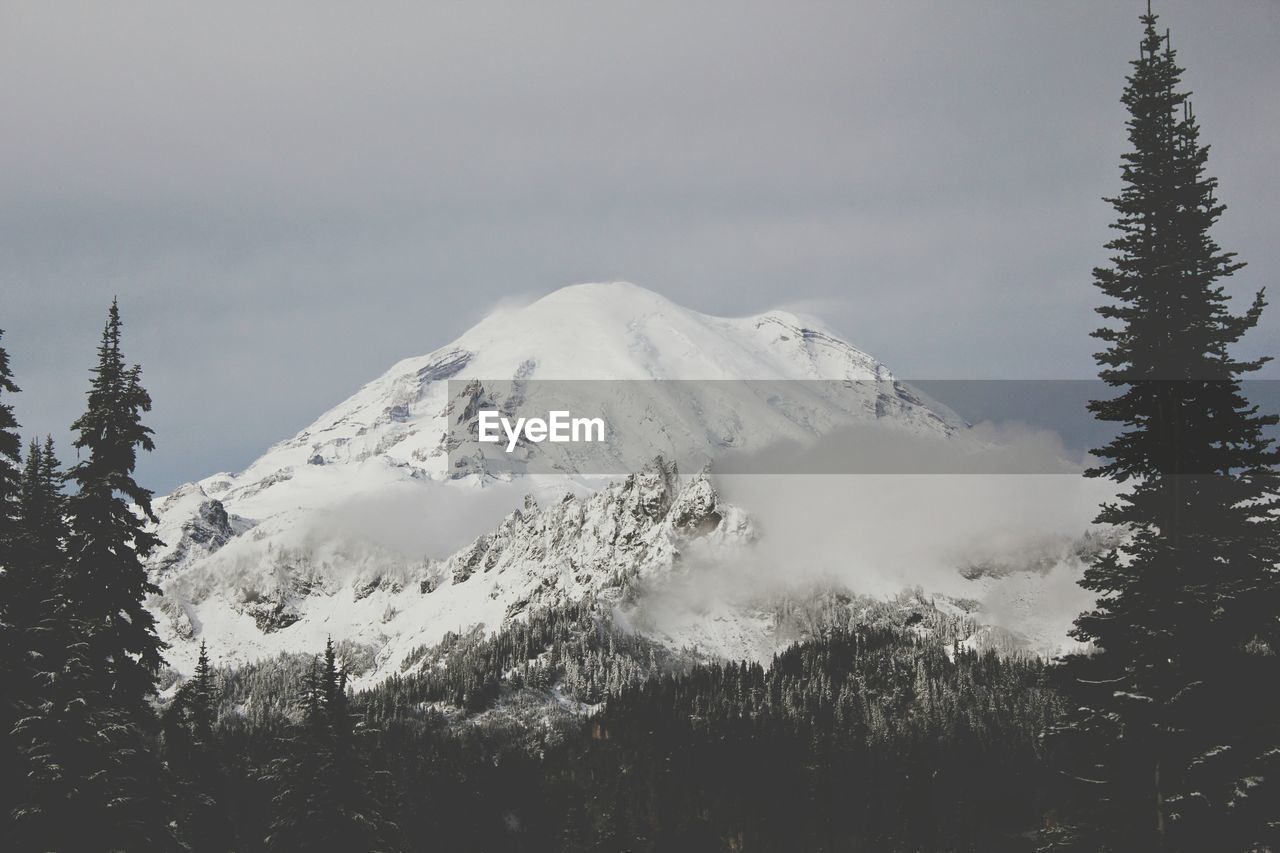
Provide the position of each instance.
(191, 750)
(324, 799)
(1173, 724)
(106, 580)
(91, 780)
(12, 660)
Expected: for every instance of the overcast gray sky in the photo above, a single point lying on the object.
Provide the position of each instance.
(290, 197)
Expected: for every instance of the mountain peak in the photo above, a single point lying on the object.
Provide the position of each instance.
(603, 290)
(396, 428)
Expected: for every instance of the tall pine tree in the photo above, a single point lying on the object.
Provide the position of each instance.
(191, 751)
(12, 662)
(42, 534)
(1173, 723)
(107, 580)
(10, 455)
(34, 578)
(324, 797)
(91, 781)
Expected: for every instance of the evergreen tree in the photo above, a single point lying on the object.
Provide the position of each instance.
(204, 699)
(91, 781)
(324, 794)
(10, 489)
(191, 749)
(12, 663)
(106, 580)
(32, 580)
(41, 534)
(10, 453)
(1173, 713)
(294, 774)
(352, 818)
(43, 503)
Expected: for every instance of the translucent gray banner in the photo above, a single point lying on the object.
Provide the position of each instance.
(506, 428)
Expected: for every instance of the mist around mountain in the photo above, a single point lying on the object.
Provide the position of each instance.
(367, 528)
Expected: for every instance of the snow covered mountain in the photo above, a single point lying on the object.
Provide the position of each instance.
(280, 556)
(395, 429)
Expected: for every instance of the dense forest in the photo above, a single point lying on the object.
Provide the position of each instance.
(865, 738)
(877, 731)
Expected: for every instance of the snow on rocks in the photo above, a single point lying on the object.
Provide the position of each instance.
(288, 589)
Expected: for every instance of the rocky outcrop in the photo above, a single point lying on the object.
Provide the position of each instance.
(595, 545)
(198, 526)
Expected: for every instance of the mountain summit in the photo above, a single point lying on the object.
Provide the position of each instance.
(395, 427)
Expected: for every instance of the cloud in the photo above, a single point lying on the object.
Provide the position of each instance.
(878, 533)
(987, 448)
(432, 519)
(288, 199)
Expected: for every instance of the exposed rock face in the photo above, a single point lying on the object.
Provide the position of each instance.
(695, 511)
(597, 545)
(198, 526)
(271, 616)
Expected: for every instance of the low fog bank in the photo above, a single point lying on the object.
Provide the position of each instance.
(879, 532)
(433, 519)
(888, 447)
(996, 514)
(989, 531)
